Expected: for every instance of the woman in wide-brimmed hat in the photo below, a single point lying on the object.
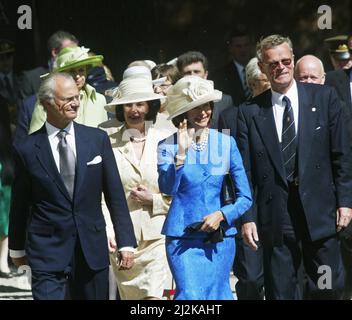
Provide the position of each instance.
(75, 60)
(199, 228)
(135, 149)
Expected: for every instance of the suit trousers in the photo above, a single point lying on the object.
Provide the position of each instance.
(76, 282)
(346, 251)
(248, 268)
(320, 260)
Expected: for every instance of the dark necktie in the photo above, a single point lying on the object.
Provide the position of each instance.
(67, 163)
(288, 140)
(8, 88)
(246, 90)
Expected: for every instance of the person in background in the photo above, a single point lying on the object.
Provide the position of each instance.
(30, 80)
(341, 80)
(199, 226)
(231, 78)
(248, 264)
(195, 63)
(6, 178)
(164, 76)
(310, 69)
(75, 61)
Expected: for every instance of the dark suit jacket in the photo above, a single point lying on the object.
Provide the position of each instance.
(24, 117)
(41, 205)
(228, 120)
(228, 80)
(340, 80)
(30, 81)
(324, 161)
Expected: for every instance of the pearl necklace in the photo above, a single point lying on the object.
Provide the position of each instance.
(201, 145)
(136, 140)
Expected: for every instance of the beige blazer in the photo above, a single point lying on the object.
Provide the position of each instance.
(147, 220)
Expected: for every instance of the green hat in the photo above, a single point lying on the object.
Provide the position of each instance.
(75, 57)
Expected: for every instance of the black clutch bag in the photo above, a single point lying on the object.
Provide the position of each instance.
(228, 195)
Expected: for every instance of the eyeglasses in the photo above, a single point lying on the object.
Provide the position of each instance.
(274, 65)
(69, 99)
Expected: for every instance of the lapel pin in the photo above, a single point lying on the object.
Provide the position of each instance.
(314, 109)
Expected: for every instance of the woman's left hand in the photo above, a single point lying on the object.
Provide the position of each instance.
(142, 195)
(212, 221)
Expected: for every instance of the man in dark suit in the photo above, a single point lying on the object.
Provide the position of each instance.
(341, 80)
(56, 216)
(230, 78)
(296, 151)
(195, 63)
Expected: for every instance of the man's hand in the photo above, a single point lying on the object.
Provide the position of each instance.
(343, 218)
(112, 244)
(212, 221)
(126, 260)
(250, 235)
(20, 261)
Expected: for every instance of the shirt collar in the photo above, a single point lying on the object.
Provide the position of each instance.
(89, 91)
(238, 66)
(276, 97)
(53, 131)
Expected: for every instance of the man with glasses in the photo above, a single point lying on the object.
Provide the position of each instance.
(296, 151)
(56, 222)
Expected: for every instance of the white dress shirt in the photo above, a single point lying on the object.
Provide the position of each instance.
(54, 144)
(279, 107)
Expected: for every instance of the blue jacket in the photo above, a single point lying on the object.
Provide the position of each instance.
(196, 186)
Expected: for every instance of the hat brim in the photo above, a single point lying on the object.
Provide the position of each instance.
(214, 96)
(342, 55)
(93, 60)
(133, 98)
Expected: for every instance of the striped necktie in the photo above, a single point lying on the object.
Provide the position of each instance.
(288, 140)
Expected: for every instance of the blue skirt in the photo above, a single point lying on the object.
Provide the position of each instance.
(201, 271)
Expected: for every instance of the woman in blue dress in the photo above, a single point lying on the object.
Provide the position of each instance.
(199, 228)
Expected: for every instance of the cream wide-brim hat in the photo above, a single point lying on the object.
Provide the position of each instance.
(188, 93)
(132, 90)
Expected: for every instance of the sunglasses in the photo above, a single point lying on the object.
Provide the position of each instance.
(275, 65)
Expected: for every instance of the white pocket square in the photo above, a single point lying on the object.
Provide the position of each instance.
(317, 128)
(96, 160)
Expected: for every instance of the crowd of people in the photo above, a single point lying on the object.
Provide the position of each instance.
(159, 186)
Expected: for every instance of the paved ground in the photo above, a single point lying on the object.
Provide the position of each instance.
(18, 288)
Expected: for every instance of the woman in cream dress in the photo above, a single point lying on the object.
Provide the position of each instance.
(135, 150)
